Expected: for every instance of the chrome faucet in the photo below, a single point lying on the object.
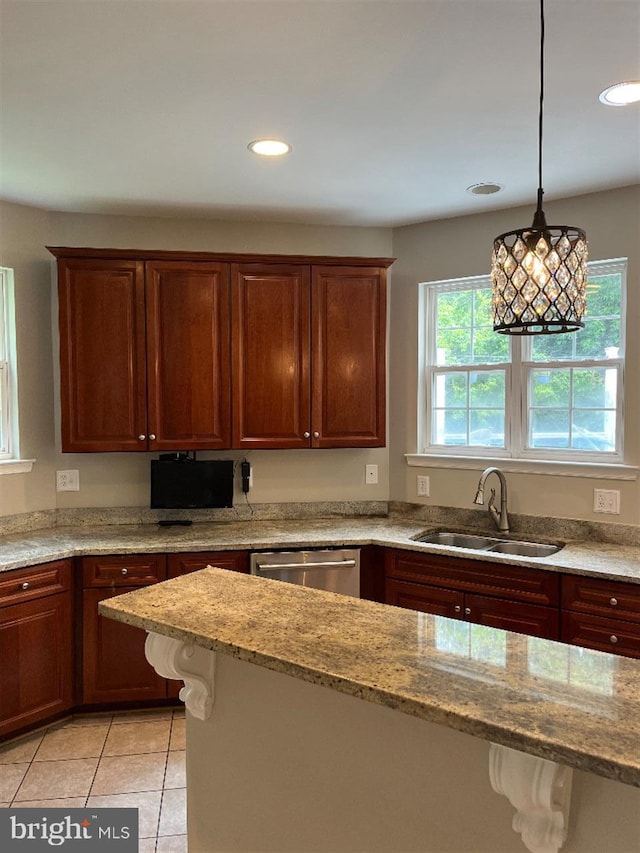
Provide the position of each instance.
(501, 518)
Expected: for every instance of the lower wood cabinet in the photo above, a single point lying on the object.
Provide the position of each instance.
(601, 614)
(509, 597)
(114, 666)
(36, 645)
(182, 564)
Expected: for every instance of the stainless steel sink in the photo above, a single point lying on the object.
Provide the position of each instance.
(475, 542)
(458, 540)
(524, 549)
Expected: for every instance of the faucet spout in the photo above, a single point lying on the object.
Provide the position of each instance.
(501, 518)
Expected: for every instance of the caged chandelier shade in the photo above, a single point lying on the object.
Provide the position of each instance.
(539, 273)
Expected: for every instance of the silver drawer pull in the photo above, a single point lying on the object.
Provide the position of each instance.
(457, 608)
(467, 611)
(316, 434)
(306, 435)
(152, 437)
(613, 601)
(124, 571)
(613, 638)
(25, 585)
(331, 564)
(141, 437)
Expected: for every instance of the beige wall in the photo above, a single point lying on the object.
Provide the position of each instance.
(428, 251)
(23, 233)
(453, 248)
(122, 479)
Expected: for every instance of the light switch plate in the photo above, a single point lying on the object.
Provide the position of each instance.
(422, 486)
(371, 475)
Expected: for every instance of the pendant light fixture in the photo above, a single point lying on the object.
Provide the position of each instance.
(539, 273)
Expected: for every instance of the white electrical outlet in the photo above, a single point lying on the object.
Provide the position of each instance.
(371, 475)
(606, 500)
(422, 486)
(68, 481)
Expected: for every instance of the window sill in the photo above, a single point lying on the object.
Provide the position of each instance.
(16, 466)
(596, 470)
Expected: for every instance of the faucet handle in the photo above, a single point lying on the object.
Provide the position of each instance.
(492, 499)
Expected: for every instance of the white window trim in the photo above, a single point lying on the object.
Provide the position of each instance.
(569, 464)
(10, 462)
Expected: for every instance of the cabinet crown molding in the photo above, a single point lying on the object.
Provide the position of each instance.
(228, 257)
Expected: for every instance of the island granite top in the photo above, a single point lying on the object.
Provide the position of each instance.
(574, 706)
(17, 550)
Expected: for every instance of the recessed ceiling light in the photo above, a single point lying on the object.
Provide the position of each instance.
(484, 189)
(621, 94)
(269, 147)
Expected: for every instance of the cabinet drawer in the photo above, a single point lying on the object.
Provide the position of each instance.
(598, 632)
(601, 597)
(425, 598)
(182, 564)
(516, 616)
(124, 570)
(34, 582)
(516, 583)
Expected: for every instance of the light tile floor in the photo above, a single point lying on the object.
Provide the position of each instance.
(131, 759)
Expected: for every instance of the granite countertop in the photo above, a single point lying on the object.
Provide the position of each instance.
(576, 707)
(584, 557)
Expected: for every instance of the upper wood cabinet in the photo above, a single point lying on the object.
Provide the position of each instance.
(144, 355)
(103, 388)
(200, 351)
(309, 355)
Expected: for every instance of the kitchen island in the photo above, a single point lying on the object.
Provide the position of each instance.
(284, 754)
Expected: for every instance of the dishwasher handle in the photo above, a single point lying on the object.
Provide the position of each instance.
(328, 564)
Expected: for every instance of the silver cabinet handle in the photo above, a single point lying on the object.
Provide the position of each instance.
(613, 601)
(457, 608)
(316, 434)
(467, 611)
(25, 585)
(331, 564)
(152, 437)
(141, 437)
(124, 571)
(306, 435)
(613, 638)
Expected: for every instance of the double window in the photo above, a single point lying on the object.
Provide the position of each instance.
(545, 396)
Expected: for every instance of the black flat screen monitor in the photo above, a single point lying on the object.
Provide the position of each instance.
(191, 484)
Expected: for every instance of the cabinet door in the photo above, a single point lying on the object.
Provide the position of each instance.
(182, 564)
(270, 334)
(102, 355)
(188, 355)
(36, 650)
(516, 616)
(114, 665)
(425, 598)
(348, 357)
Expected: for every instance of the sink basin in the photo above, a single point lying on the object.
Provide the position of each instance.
(487, 543)
(458, 540)
(523, 549)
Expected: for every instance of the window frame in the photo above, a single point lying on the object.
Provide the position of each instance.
(6, 444)
(517, 372)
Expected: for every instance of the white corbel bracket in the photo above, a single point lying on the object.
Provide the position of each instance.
(540, 791)
(185, 662)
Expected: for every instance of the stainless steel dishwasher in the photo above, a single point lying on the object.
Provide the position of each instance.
(336, 570)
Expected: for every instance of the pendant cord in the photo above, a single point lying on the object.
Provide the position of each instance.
(540, 113)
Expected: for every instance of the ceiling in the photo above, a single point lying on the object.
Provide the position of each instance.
(393, 107)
